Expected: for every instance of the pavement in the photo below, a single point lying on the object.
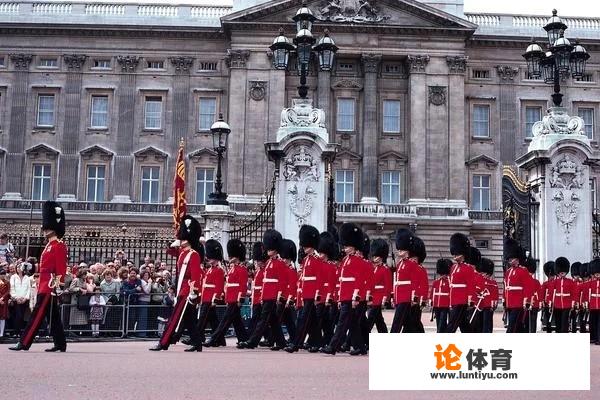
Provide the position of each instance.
(127, 370)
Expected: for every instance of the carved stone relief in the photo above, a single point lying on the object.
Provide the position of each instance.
(437, 95)
(567, 178)
(357, 11)
(258, 90)
(300, 170)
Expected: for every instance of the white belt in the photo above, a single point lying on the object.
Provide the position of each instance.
(458, 285)
(257, 287)
(441, 294)
(595, 295)
(209, 285)
(514, 288)
(326, 284)
(347, 279)
(563, 294)
(309, 278)
(398, 283)
(232, 284)
(379, 286)
(270, 280)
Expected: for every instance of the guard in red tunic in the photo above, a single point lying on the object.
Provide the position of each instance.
(593, 298)
(489, 302)
(259, 257)
(189, 273)
(583, 299)
(274, 284)
(236, 286)
(329, 253)
(406, 280)
(565, 293)
(440, 294)
(517, 284)
(421, 294)
(548, 295)
(477, 298)
(576, 277)
(53, 266)
(351, 274)
(286, 310)
(382, 285)
(535, 295)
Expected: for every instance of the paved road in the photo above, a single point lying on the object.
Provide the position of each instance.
(126, 370)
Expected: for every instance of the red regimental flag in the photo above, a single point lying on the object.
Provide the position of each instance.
(179, 203)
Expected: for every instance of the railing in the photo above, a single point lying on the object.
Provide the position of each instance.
(104, 9)
(360, 208)
(157, 11)
(209, 11)
(52, 8)
(9, 8)
(483, 19)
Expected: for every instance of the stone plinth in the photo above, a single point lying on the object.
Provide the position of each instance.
(217, 219)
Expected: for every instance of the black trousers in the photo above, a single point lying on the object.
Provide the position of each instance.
(287, 316)
(315, 329)
(207, 315)
(256, 311)
(401, 318)
(516, 320)
(19, 317)
(477, 323)
(415, 325)
(268, 318)
(573, 317)
(46, 306)
(546, 319)
(186, 313)
(375, 318)
(582, 322)
(304, 321)
(487, 320)
(562, 319)
(233, 315)
(532, 316)
(357, 326)
(595, 326)
(441, 318)
(328, 323)
(458, 318)
(343, 323)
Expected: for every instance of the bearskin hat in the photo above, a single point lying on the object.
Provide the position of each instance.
(487, 266)
(334, 232)
(235, 248)
(442, 266)
(531, 265)
(190, 231)
(380, 248)
(512, 249)
(404, 240)
(309, 236)
(562, 264)
(328, 246)
(474, 258)
(595, 266)
(585, 270)
(419, 250)
(214, 250)
(576, 269)
(459, 245)
(549, 269)
(258, 252)
(366, 247)
(301, 255)
(351, 235)
(288, 250)
(53, 218)
(272, 240)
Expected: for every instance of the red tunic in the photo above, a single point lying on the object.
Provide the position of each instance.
(565, 291)
(213, 286)
(547, 290)
(422, 290)
(594, 294)
(237, 283)
(537, 295)
(275, 280)
(292, 284)
(351, 274)
(4, 296)
(463, 283)
(257, 286)
(440, 292)
(313, 277)
(368, 279)
(407, 278)
(52, 261)
(518, 285)
(193, 272)
(331, 280)
(491, 299)
(382, 284)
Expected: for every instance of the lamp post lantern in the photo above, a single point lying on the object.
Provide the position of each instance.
(561, 58)
(220, 131)
(304, 47)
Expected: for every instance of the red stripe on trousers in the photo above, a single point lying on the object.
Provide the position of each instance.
(165, 340)
(37, 317)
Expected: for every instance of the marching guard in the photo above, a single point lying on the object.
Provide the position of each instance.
(584, 313)
(421, 292)
(517, 287)
(593, 296)
(286, 311)
(259, 257)
(189, 277)
(490, 301)
(382, 285)
(405, 282)
(53, 266)
(440, 294)
(548, 295)
(329, 253)
(564, 293)
(535, 294)
(576, 310)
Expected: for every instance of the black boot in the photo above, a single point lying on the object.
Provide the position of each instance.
(358, 352)
(276, 347)
(194, 348)
(327, 350)
(18, 347)
(55, 348)
(291, 349)
(158, 347)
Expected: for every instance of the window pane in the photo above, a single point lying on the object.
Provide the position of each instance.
(344, 186)
(207, 111)
(99, 111)
(45, 110)
(204, 184)
(154, 189)
(153, 111)
(345, 115)
(532, 115)
(391, 116)
(588, 119)
(481, 121)
(390, 187)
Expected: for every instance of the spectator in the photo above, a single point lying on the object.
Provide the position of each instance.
(20, 292)
(97, 304)
(78, 288)
(159, 288)
(7, 250)
(129, 290)
(168, 301)
(122, 274)
(110, 288)
(35, 281)
(120, 258)
(144, 304)
(68, 276)
(4, 299)
(90, 283)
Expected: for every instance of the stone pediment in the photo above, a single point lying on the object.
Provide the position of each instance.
(488, 161)
(89, 152)
(198, 154)
(404, 14)
(150, 151)
(348, 154)
(42, 150)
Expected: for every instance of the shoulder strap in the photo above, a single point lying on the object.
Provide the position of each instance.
(186, 260)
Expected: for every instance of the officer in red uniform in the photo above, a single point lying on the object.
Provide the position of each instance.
(593, 297)
(212, 290)
(382, 285)
(517, 287)
(477, 298)
(462, 284)
(359, 317)
(189, 272)
(576, 277)
(535, 295)
(286, 311)
(405, 284)
(274, 284)
(53, 266)
(351, 274)
(583, 299)
(236, 286)
(421, 294)
(565, 293)
(329, 253)
(312, 278)
(440, 294)
(259, 257)
(490, 301)
(547, 293)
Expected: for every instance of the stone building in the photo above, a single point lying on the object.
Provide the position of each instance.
(429, 105)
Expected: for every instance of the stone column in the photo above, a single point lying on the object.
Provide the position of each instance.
(457, 174)
(508, 113)
(15, 155)
(324, 99)
(123, 172)
(69, 157)
(417, 85)
(217, 224)
(370, 175)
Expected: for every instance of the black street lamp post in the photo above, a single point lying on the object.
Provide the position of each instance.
(561, 58)
(220, 131)
(304, 47)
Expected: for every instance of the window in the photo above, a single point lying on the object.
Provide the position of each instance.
(99, 112)
(593, 193)
(345, 115)
(207, 108)
(481, 74)
(482, 244)
(481, 193)
(589, 77)
(344, 186)
(532, 115)
(95, 182)
(481, 121)
(150, 181)
(153, 112)
(155, 64)
(588, 119)
(531, 77)
(2, 62)
(390, 187)
(102, 63)
(41, 182)
(345, 67)
(392, 68)
(48, 62)
(45, 111)
(391, 116)
(208, 66)
(205, 184)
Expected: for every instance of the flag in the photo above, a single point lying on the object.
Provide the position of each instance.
(179, 203)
